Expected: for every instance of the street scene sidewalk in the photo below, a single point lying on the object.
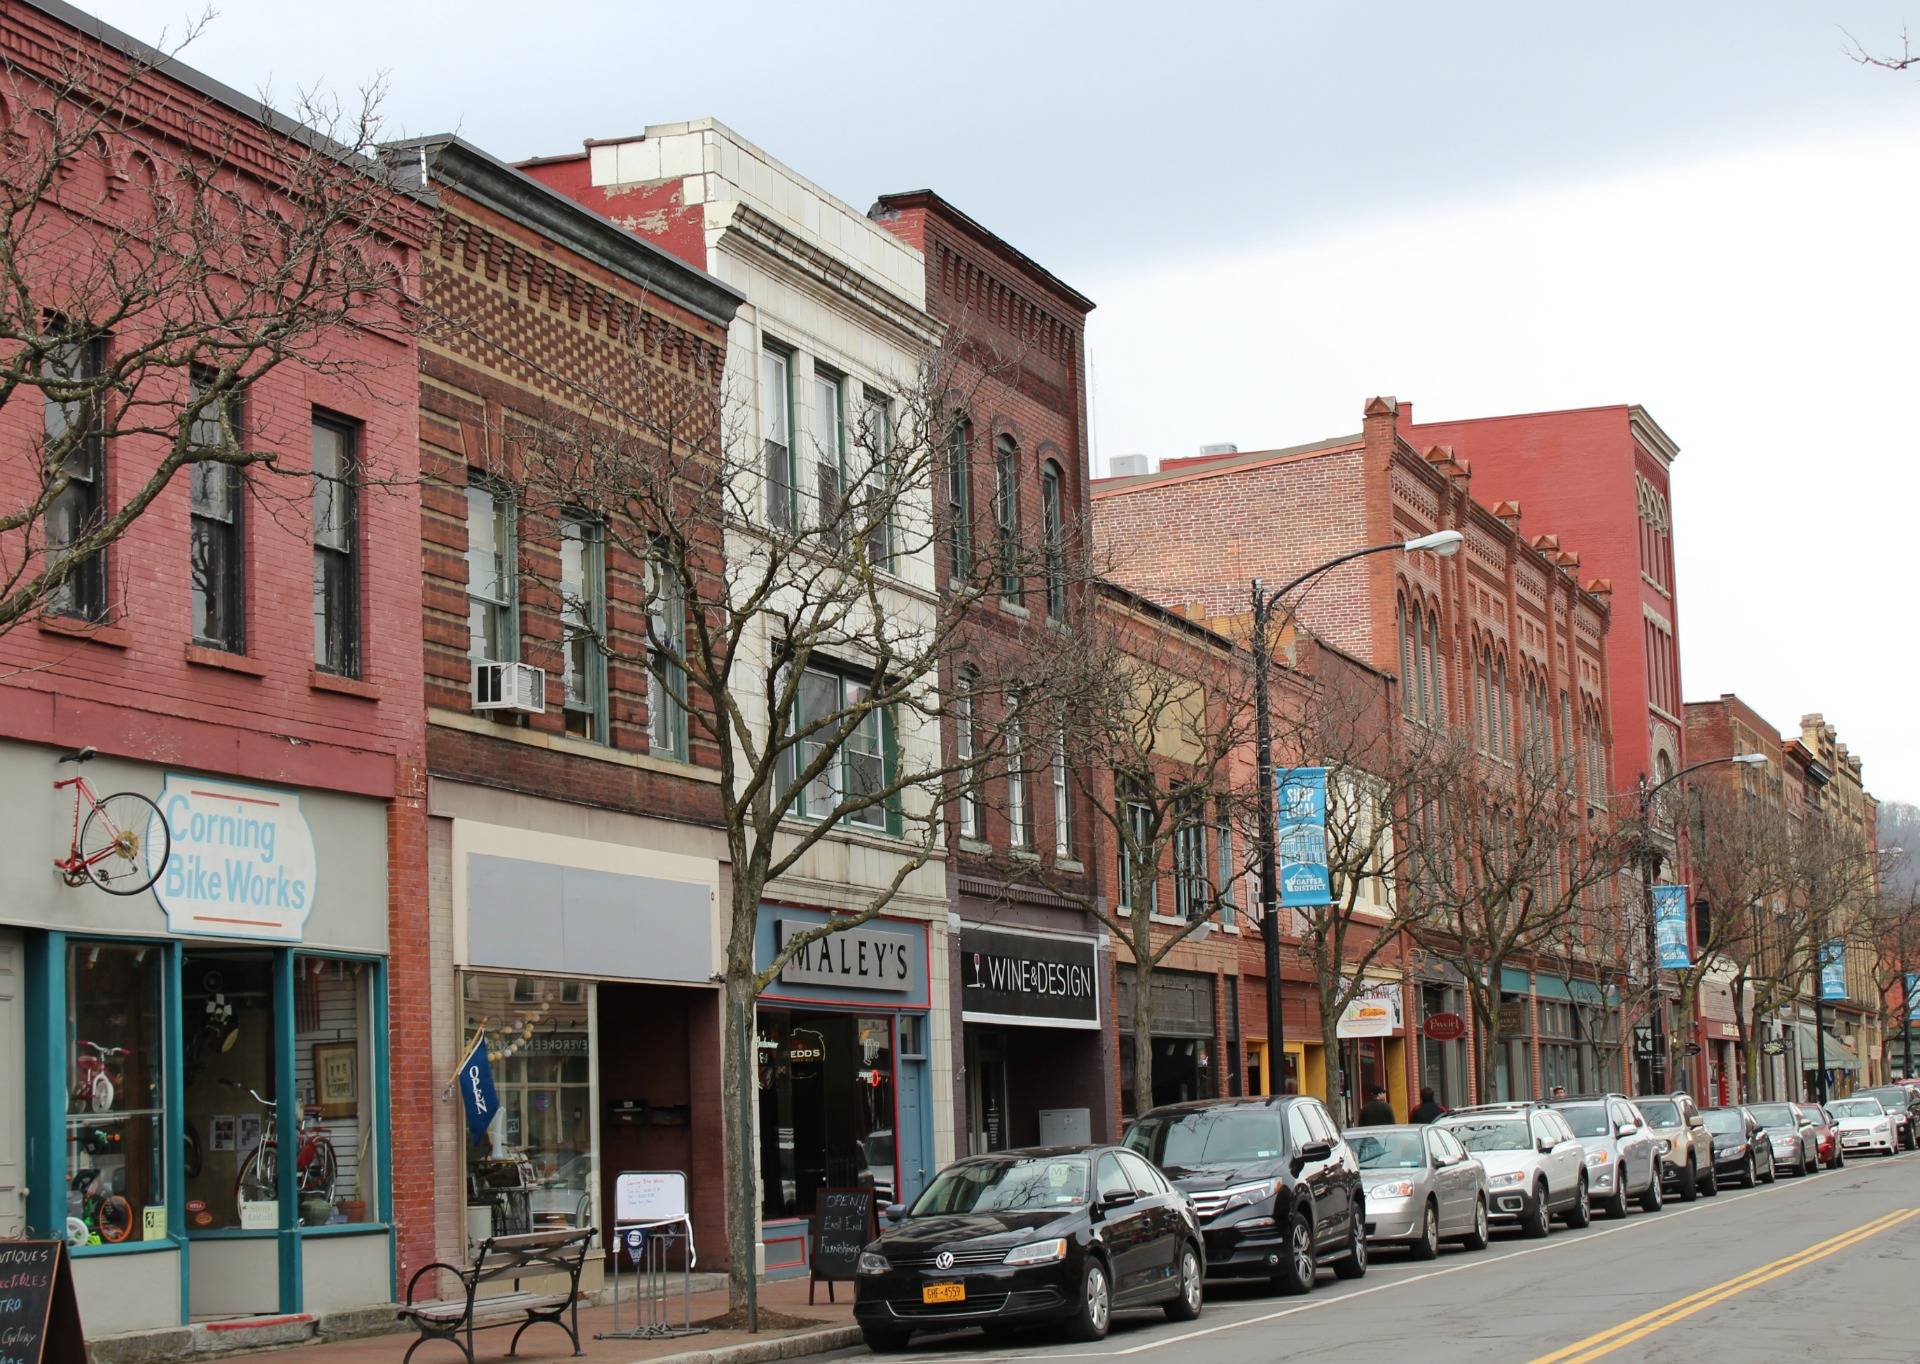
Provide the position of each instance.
(795, 1330)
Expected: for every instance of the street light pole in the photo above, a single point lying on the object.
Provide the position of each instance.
(1442, 543)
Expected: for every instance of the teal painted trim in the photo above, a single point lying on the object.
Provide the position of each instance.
(287, 1129)
(230, 1234)
(44, 1101)
(168, 1246)
(1551, 987)
(347, 1229)
(383, 1126)
(1513, 982)
(173, 1078)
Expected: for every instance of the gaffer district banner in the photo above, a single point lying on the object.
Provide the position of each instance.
(1301, 829)
(1670, 927)
(1833, 970)
(1913, 996)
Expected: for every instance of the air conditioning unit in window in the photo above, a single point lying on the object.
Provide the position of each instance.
(510, 686)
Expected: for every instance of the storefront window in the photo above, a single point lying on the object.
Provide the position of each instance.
(536, 1168)
(1182, 1070)
(332, 1062)
(1443, 1065)
(231, 1128)
(115, 1189)
(826, 1108)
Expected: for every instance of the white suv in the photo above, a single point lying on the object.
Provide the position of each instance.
(1536, 1168)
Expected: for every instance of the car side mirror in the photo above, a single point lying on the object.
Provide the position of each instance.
(1544, 1146)
(896, 1211)
(1696, 1121)
(1627, 1129)
(1119, 1199)
(1314, 1150)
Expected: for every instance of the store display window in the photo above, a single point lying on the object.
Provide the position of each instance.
(232, 1136)
(337, 1160)
(116, 1111)
(826, 1108)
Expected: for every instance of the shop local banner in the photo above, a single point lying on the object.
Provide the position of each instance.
(1670, 927)
(1913, 996)
(1833, 971)
(1301, 826)
(242, 863)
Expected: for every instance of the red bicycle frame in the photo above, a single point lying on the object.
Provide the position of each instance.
(73, 862)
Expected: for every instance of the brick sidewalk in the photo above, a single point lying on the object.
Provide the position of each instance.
(542, 1343)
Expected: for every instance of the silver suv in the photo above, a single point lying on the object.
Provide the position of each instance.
(1685, 1145)
(1536, 1168)
(1622, 1160)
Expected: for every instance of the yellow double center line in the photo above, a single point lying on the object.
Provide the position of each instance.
(1606, 1342)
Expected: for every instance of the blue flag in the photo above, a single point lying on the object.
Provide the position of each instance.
(477, 1094)
(1301, 835)
(1670, 927)
(1913, 996)
(1833, 970)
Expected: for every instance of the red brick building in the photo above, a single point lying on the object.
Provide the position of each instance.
(1505, 642)
(279, 732)
(573, 848)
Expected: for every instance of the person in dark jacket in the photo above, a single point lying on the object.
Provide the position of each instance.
(1376, 1111)
(1430, 1108)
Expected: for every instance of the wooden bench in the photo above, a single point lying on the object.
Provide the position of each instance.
(504, 1257)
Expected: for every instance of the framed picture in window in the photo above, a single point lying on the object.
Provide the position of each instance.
(336, 1078)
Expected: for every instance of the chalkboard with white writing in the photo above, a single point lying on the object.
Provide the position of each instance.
(842, 1225)
(39, 1315)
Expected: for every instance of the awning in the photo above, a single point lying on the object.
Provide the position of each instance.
(1839, 1055)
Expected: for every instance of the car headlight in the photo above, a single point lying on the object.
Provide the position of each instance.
(871, 1263)
(1664, 1145)
(1247, 1195)
(1598, 1157)
(1739, 1148)
(1402, 1188)
(1038, 1252)
(1506, 1180)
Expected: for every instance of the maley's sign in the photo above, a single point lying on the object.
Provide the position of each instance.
(243, 863)
(854, 958)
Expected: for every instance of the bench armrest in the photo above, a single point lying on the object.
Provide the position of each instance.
(428, 1269)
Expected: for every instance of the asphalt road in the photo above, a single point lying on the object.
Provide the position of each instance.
(1825, 1267)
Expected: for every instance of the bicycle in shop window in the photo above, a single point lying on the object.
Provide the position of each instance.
(316, 1167)
(119, 842)
(96, 1215)
(96, 1076)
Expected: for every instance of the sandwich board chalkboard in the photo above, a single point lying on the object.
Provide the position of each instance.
(39, 1314)
(843, 1223)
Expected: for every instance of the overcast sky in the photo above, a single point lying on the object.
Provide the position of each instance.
(1284, 208)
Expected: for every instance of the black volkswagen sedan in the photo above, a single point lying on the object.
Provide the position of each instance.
(1277, 1191)
(1055, 1234)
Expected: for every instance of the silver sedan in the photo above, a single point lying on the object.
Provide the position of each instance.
(1422, 1188)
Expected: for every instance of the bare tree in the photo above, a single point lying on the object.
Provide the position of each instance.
(1906, 57)
(780, 603)
(1509, 863)
(159, 255)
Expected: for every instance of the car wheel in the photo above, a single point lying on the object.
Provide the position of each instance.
(1581, 1213)
(1689, 1184)
(1355, 1265)
(1617, 1205)
(1539, 1221)
(1480, 1238)
(1295, 1275)
(1655, 1197)
(1773, 1170)
(1096, 1305)
(1427, 1245)
(1749, 1174)
(882, 1341)
(1186, 1303)
(1711, 1186)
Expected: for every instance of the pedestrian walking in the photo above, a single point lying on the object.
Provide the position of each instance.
(1430, 1107)
(1376, 1111)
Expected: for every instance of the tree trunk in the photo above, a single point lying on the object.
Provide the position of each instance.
(1142, 1035)
(1330, 1056)
(737, 1076)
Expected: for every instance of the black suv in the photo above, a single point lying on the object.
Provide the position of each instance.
(1276, 1190)
(1902, 1103)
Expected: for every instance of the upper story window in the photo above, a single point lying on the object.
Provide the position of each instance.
(963, 753)
(1192, 895)
(1006, 513)
(829, 450)
(72, 425)
(1054, 525)
(1656, 535)
(217, 553)
(776, 425)
(493, 634)
(1503, 709)
(583, 623)
(1409, 675)
(336, 547)
(666, 675)
(1433, 707)
(1019, 809)
(1062, 796)
(859, 769)
(1139, 877)
(876, 477)
(960, 496)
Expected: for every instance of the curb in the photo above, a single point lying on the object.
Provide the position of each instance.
(759, 1351)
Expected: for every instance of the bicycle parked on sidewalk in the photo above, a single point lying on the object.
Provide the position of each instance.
(110, 849)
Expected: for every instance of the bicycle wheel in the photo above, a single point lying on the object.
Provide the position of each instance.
(190, 1150)
(114, 1218)
(113, 844)
(322, 1169)
(101, 1096)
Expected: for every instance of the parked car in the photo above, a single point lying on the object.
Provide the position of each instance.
(1622, 1160)
(1741, 1149)
(1276, 1190)
(1903, 1103)
(1795, 1148)
(1536, 1167)
(1686, 1147)
(1865, 1125)
(1826, 1137)
(1048, 1234)
(1422, 1188)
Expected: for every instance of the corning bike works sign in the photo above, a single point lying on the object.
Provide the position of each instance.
(243, 863)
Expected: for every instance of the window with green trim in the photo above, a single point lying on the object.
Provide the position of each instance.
(116, 1110)
(855, 774)
(583, 619)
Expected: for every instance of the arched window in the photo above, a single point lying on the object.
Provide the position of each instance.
(1484, 711)
(1503, 709)
(1436, 697)
(1006, 513)
(1051, 519)
(960, 497)
(1406, 656)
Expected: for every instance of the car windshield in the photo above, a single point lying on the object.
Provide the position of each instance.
(1856, 1108)
(1890, 1099)
(1660, 1112)
(879, 1148)
(1772, 1115)
(1492, 1134)
(1724, 1121)
(1019, 1185)
(1387, 1150)
(1220, 1136)
(1586, 1120)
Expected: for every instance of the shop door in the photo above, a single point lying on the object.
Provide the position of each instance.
(911, 1146)
(13, 1083)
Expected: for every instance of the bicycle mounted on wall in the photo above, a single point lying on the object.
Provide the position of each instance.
(109, 849)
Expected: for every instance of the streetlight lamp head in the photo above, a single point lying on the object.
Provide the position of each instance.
(1750, 759)
(1442, 543)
